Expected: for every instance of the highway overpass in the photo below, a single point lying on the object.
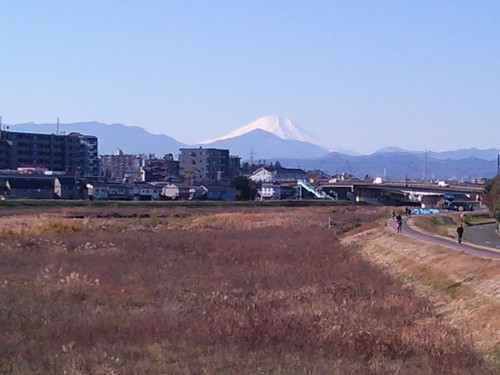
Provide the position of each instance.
(400, 192)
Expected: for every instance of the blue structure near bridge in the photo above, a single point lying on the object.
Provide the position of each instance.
(316, 192)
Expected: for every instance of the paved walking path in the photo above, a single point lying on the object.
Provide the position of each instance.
(468, 247)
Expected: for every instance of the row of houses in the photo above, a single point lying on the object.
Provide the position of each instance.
(273, 183)
(141, 191)
(182, 191)
(14, 186)
(39, 186)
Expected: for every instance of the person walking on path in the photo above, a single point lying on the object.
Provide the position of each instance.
(399, 221)
(460, 233)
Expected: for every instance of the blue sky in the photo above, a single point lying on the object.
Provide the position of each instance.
(360, 75)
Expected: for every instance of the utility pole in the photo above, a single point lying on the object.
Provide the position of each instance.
(498, 164)
(408, 171)
(425, 166)
(252, 156)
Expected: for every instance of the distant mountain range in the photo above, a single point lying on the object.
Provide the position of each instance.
(399, 166)
(487, 154)
(272, 138)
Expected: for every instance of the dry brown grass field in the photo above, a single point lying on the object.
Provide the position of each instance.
(213, 291)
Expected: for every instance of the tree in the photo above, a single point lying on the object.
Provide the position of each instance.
(245, 189)
(492, 197)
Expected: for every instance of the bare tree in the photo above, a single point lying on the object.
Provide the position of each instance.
(492, 197)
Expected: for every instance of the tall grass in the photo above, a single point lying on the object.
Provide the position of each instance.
(230, 299)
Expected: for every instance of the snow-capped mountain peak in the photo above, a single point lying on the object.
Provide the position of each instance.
(282, 127)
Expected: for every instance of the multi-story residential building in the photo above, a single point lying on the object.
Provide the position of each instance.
(75, 154)
(121, 167)
(205, 165)
(160, 170)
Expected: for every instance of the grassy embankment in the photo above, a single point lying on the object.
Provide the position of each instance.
(218, 291)
(464, 288)
(438, 225)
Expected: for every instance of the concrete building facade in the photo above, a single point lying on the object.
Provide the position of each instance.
(121, 167)
(74, 154)
(204, 165)
(160, 170)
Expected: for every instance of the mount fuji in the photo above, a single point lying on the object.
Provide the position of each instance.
(281, 127)
(270, 137)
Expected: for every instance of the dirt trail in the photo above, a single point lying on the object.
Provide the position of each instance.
(464, 288)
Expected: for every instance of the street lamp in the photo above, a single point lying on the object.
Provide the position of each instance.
(349, 165)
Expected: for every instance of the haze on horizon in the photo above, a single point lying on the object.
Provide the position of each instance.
(359, 75)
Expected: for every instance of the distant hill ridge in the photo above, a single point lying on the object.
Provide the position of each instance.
(486, 154)
(289, 147)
